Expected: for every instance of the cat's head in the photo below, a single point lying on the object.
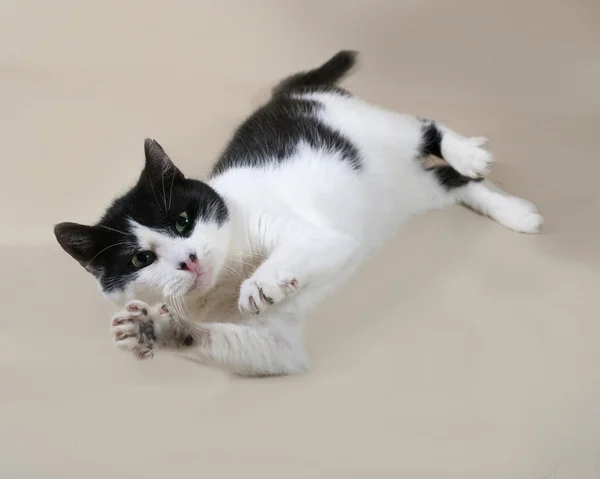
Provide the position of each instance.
(166, 237)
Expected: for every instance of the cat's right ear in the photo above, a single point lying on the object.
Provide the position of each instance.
(77, 240)
(159, 166)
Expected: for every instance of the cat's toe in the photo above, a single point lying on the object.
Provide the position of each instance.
(143, 351)
(264, 290)
(138, 308)
(133, 330)
(124, 331)
(252, 299)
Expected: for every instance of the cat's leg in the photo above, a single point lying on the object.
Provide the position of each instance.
(462, 178)
(465, 155)
(270, 347)
(511, 211)
(303, 256)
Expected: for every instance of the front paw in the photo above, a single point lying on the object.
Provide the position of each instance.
(264, 289)
(134, 328)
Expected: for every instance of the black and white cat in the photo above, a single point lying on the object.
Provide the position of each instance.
(309, 185)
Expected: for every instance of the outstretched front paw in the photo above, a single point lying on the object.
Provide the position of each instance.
(134, 329)
(264, 289)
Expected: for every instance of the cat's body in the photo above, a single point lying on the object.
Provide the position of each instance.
(308, 187)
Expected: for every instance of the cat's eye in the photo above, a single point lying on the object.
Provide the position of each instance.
(143, 259)
(182, 223)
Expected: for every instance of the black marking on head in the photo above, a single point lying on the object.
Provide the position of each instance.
(161, 194)
(272, 134)
(188, 340)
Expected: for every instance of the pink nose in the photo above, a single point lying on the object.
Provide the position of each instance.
(191, 264)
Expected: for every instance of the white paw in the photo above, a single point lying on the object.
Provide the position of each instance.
(134, 328)
(519, 215)
(264, 289)
(467, 156)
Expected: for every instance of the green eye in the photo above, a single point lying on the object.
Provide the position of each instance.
(182, 223)
(143, 259)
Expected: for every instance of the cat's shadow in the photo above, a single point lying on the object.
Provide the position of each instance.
(412, 270)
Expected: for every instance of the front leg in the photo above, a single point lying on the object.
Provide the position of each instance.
(270, 348)
(141, 328)
(273, 347)
(302, 256)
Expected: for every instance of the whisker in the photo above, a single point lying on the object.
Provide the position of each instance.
(232, 258)
(246, 254)
(171, 191)
(182, 306)
(173, 304)
(154, 192)
(179, 301)
(112, 229)
(162, 180)
(233, 272)
(241, 252)
(103, 250)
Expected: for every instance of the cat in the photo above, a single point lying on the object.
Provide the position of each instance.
(227, 270)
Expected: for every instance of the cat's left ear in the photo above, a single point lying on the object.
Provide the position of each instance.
(80, 241)
(159, 166)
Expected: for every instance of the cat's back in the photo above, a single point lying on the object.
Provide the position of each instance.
(275, 133)
(325, 154)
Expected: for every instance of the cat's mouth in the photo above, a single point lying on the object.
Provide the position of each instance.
(202, 280)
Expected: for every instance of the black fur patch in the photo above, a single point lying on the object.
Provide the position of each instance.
(431, 144)
(273, 133)
(146, 334)
(449, 178)
(432, 140)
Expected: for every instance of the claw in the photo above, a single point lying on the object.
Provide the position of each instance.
(264, 298)
(144, 353)
(253, 304)
(119, 335)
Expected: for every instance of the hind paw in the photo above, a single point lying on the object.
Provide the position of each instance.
(467, 156)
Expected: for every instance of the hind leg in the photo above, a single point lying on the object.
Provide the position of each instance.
(465, 155)
(468, 163)
(513, 212)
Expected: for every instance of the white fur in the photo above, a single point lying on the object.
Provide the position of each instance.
(299, 228)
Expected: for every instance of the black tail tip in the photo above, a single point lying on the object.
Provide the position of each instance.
(328, 74)
(345, 57)
(341, 62)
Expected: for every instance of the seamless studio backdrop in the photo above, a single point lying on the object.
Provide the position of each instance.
(463, 350)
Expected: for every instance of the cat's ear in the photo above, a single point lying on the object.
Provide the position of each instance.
(159, 166)
(80, 241)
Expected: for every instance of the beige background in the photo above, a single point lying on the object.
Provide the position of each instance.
(463, 351)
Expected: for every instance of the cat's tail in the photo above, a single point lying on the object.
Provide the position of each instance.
(328, 74)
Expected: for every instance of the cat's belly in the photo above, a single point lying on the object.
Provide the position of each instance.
(219, 305)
